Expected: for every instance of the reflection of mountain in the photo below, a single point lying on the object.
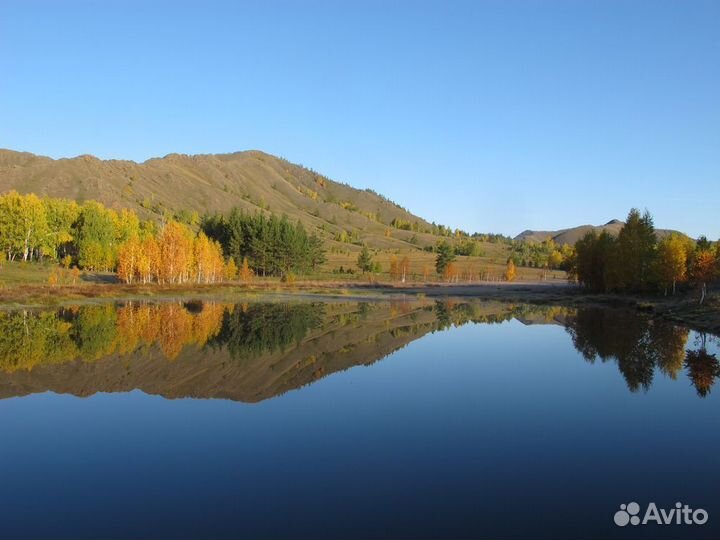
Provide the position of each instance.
(251, 352)
(247, 352)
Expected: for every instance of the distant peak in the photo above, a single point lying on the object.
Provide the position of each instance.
(613, 222)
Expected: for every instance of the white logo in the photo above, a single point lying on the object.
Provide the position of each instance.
(680, 515)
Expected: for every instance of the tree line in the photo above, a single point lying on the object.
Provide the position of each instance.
(96, 238)
(637, 261)
(271, 246)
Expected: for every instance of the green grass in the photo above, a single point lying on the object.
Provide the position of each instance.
(22, 273)
(492, 264)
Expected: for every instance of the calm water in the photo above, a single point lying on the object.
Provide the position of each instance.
(352, 420)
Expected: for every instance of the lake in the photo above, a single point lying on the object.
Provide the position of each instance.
(347, 419)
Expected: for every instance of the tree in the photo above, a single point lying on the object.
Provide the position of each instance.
(703, 244)
(231, 270)
(203, 257)
(404, 268)
(671, 261)
(148, 265)
(555, 259)
(636, 251)
(704, 270)
(127, 226)
(510, 271)
(451, 272)
(176, 254)
(245, 272)
(129, 256)
(365, 260)
(23, 225)
(273, 245)
(593, 261)
(96, 236)
(445, 256)
(61, 215)
(394, 268)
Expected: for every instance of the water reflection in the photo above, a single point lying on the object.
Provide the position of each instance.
(641, 345)
(703, 368)
(254, 351)
(253, 329)
(637, 343)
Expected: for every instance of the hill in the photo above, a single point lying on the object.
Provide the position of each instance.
(572, 235)
(252, 180)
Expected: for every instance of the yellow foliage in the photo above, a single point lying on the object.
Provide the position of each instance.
(246, 273)
(510, 271)
(231, 270)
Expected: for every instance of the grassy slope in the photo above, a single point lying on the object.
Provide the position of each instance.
(251, 180)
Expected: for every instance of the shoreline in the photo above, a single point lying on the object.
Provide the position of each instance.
(681, 309)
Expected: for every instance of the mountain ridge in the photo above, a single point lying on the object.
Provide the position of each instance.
(573, 234)
(251, 180)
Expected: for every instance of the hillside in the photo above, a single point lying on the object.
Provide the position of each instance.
(572, 235)
(251, 180)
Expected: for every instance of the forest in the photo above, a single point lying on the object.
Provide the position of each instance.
(93, 237)
(271, 246)
(636, 261)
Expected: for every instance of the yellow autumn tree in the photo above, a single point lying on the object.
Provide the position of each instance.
(394, 268)
(245, 271)
(129, 256)
(510, 271)
(202, 250)
(231, 270)
(704, 270)
(672, 256)
(176, 253)
(148, 260)
(451, 272)
(216, 266)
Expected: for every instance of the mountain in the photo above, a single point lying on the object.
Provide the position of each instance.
(570, 236)
(252, 180)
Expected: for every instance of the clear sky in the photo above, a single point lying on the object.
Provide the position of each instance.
(484, 115)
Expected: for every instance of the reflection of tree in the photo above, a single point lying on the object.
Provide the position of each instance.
(638, 344)
(453, 313)
(94, 331)
(29, 339)
(670, 342)
(702, 367)
(172, 326)
(258, 328)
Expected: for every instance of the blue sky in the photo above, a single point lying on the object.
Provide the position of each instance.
(485, 115)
